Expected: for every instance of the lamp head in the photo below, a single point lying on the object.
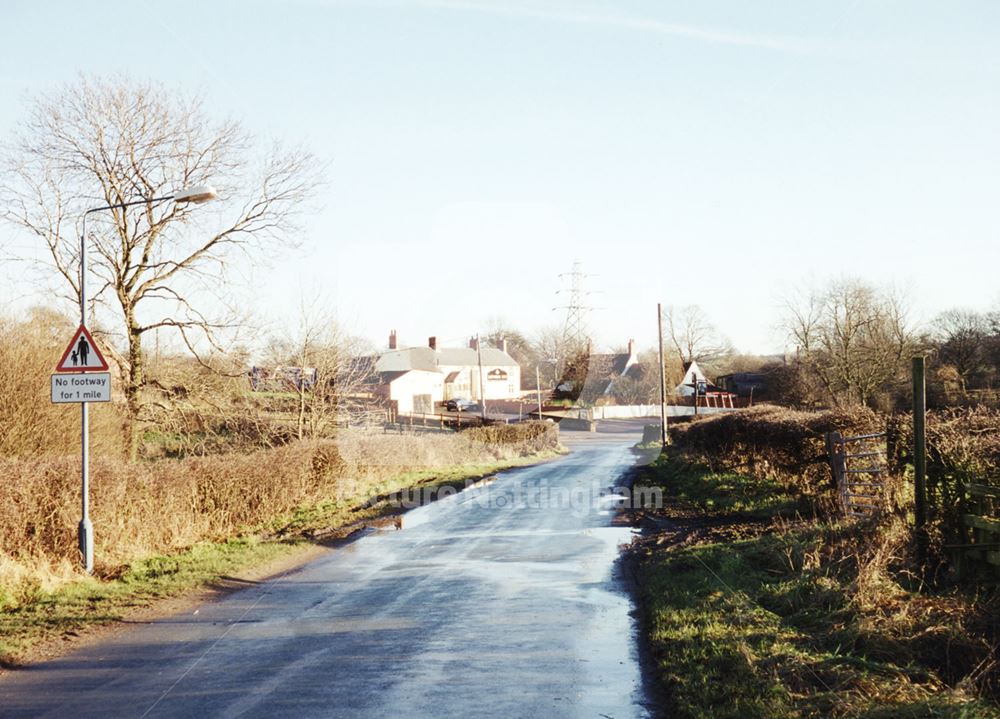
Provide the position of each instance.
(196, 194)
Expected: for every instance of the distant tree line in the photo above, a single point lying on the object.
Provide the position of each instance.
(854, 343)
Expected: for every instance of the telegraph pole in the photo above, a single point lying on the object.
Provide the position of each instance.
(663, 379)
(538, 391)
(920, 456)
(482, 394)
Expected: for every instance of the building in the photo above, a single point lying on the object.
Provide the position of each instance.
(745, 384)
(693, 377)
(695, 384)
(593, 377)
(416, 379)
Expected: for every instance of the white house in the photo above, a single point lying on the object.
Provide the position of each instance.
(414, 379)
(692, 375)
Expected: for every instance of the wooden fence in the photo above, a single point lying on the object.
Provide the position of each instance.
(981, 529)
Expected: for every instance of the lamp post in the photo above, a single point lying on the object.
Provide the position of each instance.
(198, 194)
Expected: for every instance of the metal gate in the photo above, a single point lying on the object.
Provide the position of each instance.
(859, 466)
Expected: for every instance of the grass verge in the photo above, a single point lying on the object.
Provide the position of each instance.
(87, 602)
(798, 618)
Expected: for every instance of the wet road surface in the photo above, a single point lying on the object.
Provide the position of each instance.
(498, 601)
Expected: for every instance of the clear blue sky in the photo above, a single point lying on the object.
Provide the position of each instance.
(716, 153)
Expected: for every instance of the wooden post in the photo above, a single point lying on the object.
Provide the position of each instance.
(920, 456)
(538, 391)
(663, 380)
(834, 442)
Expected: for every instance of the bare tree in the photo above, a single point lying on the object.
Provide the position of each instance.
(854, 338)
(553, 354)
(963, 342)
(327, 368)
(641, 385)
(105, 142)
(694, 337)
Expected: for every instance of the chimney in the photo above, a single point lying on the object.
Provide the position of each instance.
(473, 343)
(432, 342)
(392, 340)
(502, 345)
(631, 347)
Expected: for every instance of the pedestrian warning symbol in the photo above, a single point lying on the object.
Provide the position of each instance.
(82, 354)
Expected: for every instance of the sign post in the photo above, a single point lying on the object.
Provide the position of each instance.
(78, 358)
(74, 384)
(82, 376)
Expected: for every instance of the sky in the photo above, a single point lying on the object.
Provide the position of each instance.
(724, 154)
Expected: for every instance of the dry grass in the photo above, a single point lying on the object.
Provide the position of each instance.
(145, 508)
(30, 425)
(803, 618)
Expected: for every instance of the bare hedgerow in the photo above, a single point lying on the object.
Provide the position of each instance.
(786, 445)
(155, 507)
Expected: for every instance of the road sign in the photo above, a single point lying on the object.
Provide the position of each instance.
(82, 354)
(81, 387)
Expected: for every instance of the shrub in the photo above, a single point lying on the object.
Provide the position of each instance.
(784, 445)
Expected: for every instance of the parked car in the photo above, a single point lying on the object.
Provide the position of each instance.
(462, 405)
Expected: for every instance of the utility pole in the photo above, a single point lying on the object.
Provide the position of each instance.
(538, 390)
(482, 394)
(663, 379)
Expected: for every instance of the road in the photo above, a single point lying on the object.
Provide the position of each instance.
(494, 602)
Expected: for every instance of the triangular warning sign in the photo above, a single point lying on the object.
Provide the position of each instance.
(82, 354)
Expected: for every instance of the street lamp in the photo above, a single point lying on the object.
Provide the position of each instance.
(197, 195)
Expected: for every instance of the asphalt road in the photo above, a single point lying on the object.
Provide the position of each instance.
(496, 602)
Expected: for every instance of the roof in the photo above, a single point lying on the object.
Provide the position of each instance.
(607, 366)
(466, 357)
(407, 359)
(429, 360)
(452, 376)
(745, 376)
(692, 366)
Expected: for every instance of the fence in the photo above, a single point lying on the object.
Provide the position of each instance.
(645, 410)
(980, 529)
(861, 488)
(439, 421)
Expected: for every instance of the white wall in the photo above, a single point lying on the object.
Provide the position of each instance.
(494, 389)
(649, 410)
(416, 382)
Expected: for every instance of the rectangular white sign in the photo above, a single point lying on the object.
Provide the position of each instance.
(81, 387)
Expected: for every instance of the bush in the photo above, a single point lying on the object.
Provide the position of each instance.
(772, 443)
